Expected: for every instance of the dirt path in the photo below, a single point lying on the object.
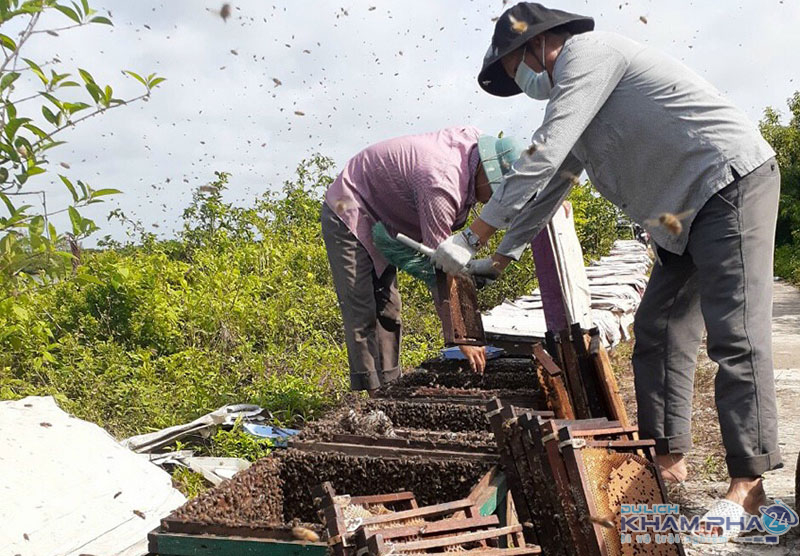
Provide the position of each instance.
(697, 494)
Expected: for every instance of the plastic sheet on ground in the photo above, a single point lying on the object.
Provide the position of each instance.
(68, 488)
(202, 426)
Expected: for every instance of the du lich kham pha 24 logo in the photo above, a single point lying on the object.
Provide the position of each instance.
(663, 524)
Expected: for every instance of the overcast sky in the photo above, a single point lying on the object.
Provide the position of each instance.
(358, 71)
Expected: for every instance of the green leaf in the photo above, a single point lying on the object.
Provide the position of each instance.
(86, 8)
(8, 79)
(57, 103)
(20, 312)
(137, 77)
(94, 91)
(88, 226)
(13, 125)
(3, 175)
(7, 201)
(107, 191)
(40, 133)
(72, 107)
(35, 170)
(156, 81)
(76, 220)
(49, 116)
(86, 76)
(37, 70)
(50, 144)
(101, 19)
(88, 279)
(70, 187)
(36, 226)
(8, 42)
(69, 12)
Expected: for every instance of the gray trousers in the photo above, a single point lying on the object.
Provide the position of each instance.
(723, 280)
(370, 306)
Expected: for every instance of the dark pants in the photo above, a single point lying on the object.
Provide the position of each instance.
(370, 306)
(723, 281)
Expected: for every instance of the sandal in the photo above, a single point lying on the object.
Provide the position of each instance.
(723, 514)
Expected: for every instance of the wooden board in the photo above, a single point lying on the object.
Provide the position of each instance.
(574, 382)
(591, 384)
(553, 384)
(461, 320)
(498, 414)
(384, 451)
(605, 374)
(182, 544)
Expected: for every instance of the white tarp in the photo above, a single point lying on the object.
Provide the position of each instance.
(616, 284)
(68, 488)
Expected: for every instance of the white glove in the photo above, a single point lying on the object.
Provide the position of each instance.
(485, 268)
(485, 271)
(453, 254)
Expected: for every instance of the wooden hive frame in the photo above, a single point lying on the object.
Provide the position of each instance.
(331, 510)
(499, 415)
(589, 377)
(550, 483)
(461, 320)
(598, 535)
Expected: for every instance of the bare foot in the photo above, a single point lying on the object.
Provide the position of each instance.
(748, 492)
(673, 467)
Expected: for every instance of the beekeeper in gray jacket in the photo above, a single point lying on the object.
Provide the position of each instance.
(673, 153)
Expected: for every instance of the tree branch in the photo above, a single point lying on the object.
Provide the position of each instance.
(24, 36)
(68, 27)
(87, 116)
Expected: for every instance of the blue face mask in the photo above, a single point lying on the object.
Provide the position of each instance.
(535, 85)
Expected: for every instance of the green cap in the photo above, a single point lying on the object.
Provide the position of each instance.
(497, 156)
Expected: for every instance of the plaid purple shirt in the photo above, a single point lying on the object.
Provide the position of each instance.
(420, 185)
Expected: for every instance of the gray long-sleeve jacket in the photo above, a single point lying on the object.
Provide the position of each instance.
(652, 135)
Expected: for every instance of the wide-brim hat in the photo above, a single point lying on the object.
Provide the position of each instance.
(515, 27)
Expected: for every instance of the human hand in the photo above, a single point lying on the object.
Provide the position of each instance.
(484, 271)
(453, 254)
(476, 355)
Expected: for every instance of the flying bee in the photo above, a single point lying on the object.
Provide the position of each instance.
(304, 534)
(606, 521)
(517, 26)
(671, 222)
(225, 12)
(343, 205)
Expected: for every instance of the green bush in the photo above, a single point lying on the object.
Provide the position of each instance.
(787, 263)
(239, 308)
(785, 139)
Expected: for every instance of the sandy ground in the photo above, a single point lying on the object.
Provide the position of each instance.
(696, 495)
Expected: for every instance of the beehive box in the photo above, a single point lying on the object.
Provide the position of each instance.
(263, 503)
